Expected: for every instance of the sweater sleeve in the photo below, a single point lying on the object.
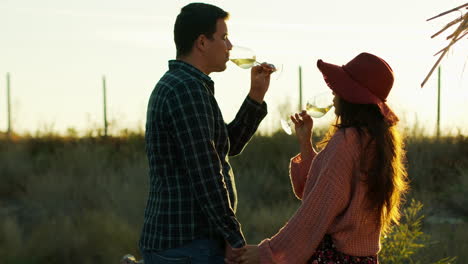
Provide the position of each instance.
(322, 202)
(298, 170)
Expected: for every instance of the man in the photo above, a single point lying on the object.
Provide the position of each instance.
(190, 213)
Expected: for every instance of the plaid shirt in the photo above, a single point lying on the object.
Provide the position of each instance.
(192, 191)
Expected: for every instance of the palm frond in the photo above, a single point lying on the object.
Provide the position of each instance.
(460, 32)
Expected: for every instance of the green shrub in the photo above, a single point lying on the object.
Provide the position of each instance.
(405, 240)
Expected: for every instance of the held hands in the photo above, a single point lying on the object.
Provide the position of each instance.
(246, 255)
(260, 81)
(232, 255)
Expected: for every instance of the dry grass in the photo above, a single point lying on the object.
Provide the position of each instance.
(69, 200)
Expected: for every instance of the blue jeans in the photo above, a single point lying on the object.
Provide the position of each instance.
(201, 251)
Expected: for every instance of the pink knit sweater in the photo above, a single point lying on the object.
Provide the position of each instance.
(333, 202)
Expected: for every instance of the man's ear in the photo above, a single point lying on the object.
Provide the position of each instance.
(201, 42)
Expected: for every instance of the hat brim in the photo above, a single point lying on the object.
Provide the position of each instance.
(345, 87)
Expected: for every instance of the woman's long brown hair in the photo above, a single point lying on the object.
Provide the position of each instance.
(387, 176)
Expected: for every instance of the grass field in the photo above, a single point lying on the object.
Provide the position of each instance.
(81, 200)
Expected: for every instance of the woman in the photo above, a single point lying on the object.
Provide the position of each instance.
(352, 189)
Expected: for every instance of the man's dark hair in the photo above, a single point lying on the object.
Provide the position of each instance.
(195, 19)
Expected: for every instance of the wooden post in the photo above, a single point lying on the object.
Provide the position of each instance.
(9, 129)
(300, 89)
(105, 104)
(438, 104)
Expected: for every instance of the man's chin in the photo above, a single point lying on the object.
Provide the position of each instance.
(221, 68)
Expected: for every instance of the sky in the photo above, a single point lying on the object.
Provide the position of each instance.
(57, 52)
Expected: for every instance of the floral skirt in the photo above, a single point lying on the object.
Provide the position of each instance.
(326, 253)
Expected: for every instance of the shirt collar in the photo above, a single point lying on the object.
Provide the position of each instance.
(192, 70)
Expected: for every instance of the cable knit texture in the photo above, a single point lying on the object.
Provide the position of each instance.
(333, 195)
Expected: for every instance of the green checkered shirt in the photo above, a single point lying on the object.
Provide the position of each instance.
(192, 191)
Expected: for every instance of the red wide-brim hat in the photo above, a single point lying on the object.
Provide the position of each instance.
(367, 79)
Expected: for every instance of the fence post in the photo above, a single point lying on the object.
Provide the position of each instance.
(9, 129)
(105, 104)
(438, 104)
(300, 89)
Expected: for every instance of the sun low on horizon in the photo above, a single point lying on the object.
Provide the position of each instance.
(57, 52)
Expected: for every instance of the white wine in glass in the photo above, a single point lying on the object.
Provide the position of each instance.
(316, 107)
(245, 63)
(245, 58)
(317, 111)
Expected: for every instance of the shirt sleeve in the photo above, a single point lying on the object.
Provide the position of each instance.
(244, 125)
(298, 171)
(192, 122)
(328, 197)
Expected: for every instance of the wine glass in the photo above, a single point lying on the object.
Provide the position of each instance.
(317, 106)
(246, 58)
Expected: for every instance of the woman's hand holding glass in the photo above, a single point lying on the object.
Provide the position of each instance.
(317, 106)
(303, 124)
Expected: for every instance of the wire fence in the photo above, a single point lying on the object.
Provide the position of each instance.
(9, 129)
